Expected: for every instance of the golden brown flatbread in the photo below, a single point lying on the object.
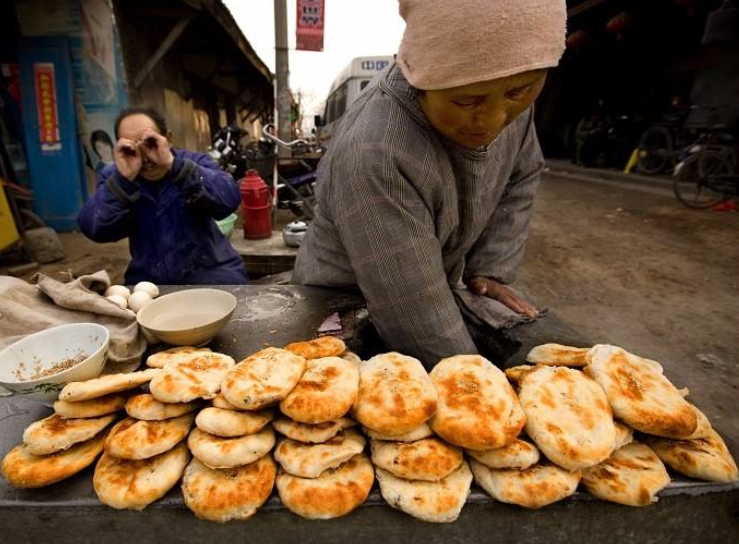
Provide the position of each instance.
(311, 460)
(311, 434)
(133, 485)
(429, 459)
(333, 494)
(199, 376)
(419, 433)
(217, 452)
(105, 385)
(396, 394)
(162, 358)
(324, 346)
(231, 423)
(230, 494)
(55, 433)
(633, 476)
(23, 469)
(326, 391)
(101, 406)
(640, 396)
(145, 406)
(263, 379)
(137, 439)
(478, 409)
(558, 355)
(519, 454)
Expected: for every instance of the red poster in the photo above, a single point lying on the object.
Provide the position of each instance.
(310, 25)
(48, 115)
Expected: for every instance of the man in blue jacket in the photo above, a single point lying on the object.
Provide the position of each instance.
(165, 201)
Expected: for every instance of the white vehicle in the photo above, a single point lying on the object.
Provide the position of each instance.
(345, 89)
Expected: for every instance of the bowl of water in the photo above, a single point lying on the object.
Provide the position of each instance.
(191, 317)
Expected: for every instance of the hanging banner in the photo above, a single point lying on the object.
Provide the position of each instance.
(310, 25)
(46, 107)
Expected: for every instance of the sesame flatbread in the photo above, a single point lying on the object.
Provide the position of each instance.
(133, 485)
(419, 433)
(311, 434)
(263, 379)
(145, 406)
(218, 452)
(396, 394)
(478, 409)
(333, 494)
(162, 358)
(567, 416)
(105, 385)
(101, 406)
(640, 396)
(230, 423)
(197, 377)
(23, 469)
(633, 476)
(55, 433)
(429, 459)
(558, 355)
(311, 460)
(229, 494)
(703, 458)
(324, 346)
(326, 391)
(137, 439)
(519, 454)
(437, 502)
(533, 487)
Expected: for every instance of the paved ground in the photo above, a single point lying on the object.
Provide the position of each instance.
(625, 264)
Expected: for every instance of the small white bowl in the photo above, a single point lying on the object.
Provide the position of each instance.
(191, 317)
(42, 350)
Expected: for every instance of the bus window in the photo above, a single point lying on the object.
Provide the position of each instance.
(363, 84)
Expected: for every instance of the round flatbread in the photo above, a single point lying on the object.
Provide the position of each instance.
(567, 416)
(311, 434)
(640, 396)
(396, 394)
(23, 469)
(146, 407)
(558, 355)
(55, 433)
(263, 379)
(437, 502)
(534, 487)
(311, 460)
(137, 439)
(703, 458)
(429, 459)
(327, 390)
(197, 377)
(219, 401)
(516, 373)
(519, 454)
(217, 452)
(333, 494)
(133, 485)
(230, 423)
(352, 358)
(101, 406)
(231, 494)
(478, 409)
(419, 433)
(324, 346)
(162, 358)
(105, 385)
(703, 429)
(633, 476)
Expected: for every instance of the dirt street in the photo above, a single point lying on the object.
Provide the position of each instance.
(623, 264)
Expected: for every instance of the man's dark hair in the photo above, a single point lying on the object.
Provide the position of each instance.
(99, 136)
(151, 113)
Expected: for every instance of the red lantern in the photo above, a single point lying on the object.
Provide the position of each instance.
(576, 39)
(619, 23)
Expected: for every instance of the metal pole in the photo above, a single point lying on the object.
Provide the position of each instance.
(282, 69)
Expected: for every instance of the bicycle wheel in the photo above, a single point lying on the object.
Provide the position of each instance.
(655, 150)
(693, 177)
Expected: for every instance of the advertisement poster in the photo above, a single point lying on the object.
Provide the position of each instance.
(309, 25)
(46, 105)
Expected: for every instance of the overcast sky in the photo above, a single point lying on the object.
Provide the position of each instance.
(353, 28)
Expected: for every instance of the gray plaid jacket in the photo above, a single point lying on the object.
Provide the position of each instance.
(406, 215)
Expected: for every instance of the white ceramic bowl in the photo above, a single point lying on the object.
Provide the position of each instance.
(43, 350)
(191, 317)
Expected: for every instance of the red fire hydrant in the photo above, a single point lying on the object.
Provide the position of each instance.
(257, 204)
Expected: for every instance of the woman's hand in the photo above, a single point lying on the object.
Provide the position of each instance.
(155, 148)
(127, 158)
(491, 288)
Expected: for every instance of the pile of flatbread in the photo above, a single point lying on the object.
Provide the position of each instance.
(299, 419)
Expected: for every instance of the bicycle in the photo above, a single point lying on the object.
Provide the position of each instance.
(707, 176)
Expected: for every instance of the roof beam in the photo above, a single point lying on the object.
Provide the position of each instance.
(165, 46)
